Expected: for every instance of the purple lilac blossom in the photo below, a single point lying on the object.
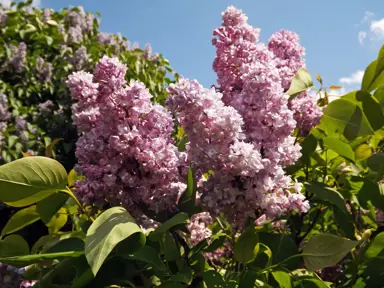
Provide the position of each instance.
(80, 58)
(46, 108)
(19, 57)
(75, 34)
(47, 14)
(125, 151)
(44, 70)
(11, 277)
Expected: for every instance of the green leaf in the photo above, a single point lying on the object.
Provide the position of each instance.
(282, 278)
(326, 194)
(171, 251)
(376, 161)
(57, 221)
(247, 246)
(21, 219)
(311, 283)
(368, 190)
(346, 117)
(325, 250)
(373, 111)
(373, 76)
(65, 245)
(109, 229)
(376, 247)
(49, 40)
(28, 180)
(362, 152)
(52, 22)
(188, 198)
(22, 261)
(51, 146)
(13, 245)
(300, 83)
(213, 279)
(340, 147)
(248, 279)
(281, 246)
(308, 146)
(149, 255)
(179, 219)
(49, 206)
(379, 96)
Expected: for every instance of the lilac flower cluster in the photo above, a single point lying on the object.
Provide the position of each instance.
(289, 59)
(306, 112)
(11, 277)
(125, 152)
(251, 83)
(47, 14)
(80, 19)
(220, 255)
(80, 59)
(4, 116)
(46, 108)
(44, 70)
(198, 227)
(19, 57)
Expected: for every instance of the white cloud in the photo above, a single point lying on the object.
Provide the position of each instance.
(377, 28)
(368, 15)
(361, 36)
(374, 30)
(355, 78)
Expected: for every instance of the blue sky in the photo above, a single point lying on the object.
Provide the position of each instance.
(341, 37)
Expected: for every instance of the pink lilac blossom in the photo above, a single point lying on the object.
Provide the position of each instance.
(251, 83)
(198, 227)
(125, 151)
(306, 112)
(289, 54)
(289, 59)
(215, 143)
(220, 255)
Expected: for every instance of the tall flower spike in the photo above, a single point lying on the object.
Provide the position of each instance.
(250, 79)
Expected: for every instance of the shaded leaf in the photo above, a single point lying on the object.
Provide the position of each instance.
(247, 246)
(179, 219)
(325, 250)
(21, 219)
(13, 245)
